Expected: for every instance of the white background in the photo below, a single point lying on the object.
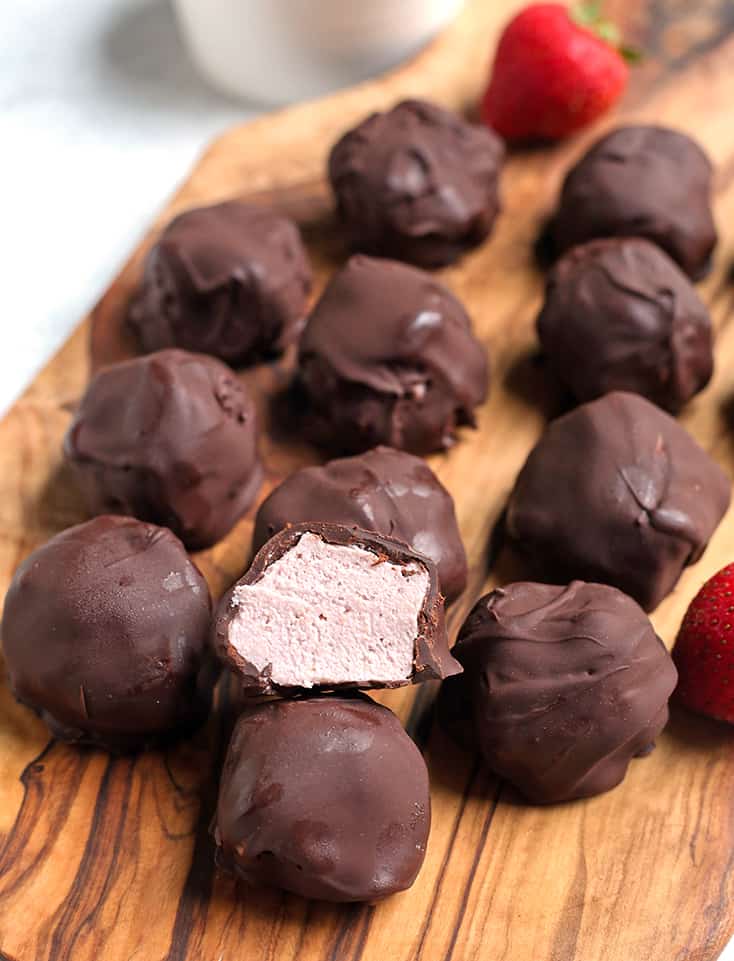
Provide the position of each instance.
(101, 114)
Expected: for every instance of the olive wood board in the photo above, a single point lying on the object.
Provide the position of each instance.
(111, 858)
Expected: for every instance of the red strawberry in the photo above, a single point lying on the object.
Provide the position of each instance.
(556, 70)
(704, 650)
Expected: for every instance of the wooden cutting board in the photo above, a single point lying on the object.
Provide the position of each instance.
(111, 858)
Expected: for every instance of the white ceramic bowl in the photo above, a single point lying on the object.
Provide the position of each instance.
(279, 51)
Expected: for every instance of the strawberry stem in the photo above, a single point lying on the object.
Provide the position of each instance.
(589, 14)
(630, 54)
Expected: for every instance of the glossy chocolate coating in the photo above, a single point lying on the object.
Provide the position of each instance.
(620, 315)
(431, 657)
(617, 492)
(384, 490)
(170, 438)
(105, 635)
(565, 685)
(230, 280)
(417, 183)
(325, 797)
(388, 357)
(645, 182)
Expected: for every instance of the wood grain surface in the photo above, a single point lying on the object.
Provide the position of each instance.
(111, 859)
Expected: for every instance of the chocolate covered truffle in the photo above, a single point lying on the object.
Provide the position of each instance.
(325, 606)
(384, 490)
(388, 357)
(565, 685)
(417, 183)
(620, 315)
(170, 438)
(326, 797)
(105, 635)
(617, 492)
(645, 182)
(230, 280)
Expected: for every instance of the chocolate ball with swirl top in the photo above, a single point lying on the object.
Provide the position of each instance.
(564, 686)
(417, 183)
(231, 280)
(642, 181)
(619, 314)
(388, 356)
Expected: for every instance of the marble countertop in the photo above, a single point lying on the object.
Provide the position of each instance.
(101, 115)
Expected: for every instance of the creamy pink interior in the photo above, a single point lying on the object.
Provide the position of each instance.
(327, 614)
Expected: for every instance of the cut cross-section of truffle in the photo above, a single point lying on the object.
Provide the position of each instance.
(325, 606)
(326, 797)
(384, 490)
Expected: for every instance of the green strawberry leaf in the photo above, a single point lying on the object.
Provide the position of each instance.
(609, 32)
(589, 14)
